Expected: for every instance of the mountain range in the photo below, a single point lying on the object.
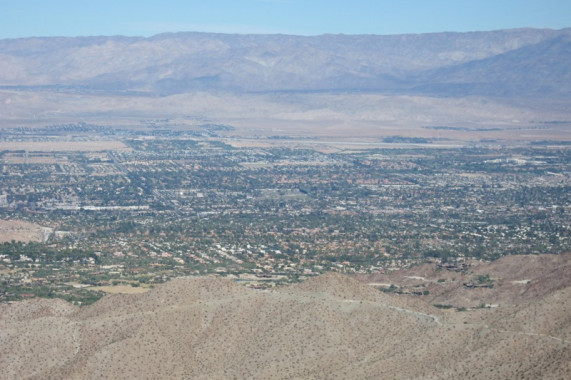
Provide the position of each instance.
(519, 62)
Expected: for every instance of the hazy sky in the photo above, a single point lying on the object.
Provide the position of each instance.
(24, 18)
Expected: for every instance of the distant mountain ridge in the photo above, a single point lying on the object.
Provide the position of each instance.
(524, 62)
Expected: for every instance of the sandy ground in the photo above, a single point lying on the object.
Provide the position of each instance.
(19, 231)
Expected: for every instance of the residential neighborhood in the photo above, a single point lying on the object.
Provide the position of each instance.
(136, 208)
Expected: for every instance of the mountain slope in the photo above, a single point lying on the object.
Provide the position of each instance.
(182, 62)
(514, 280)
(541, 68)
(331, 326)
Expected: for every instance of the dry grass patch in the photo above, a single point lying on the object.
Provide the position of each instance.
(19, 230)
(120, 289)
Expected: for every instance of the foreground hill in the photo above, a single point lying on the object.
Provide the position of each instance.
(331, 326)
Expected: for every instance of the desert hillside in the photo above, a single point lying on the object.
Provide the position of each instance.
(331, 326)
(510, 280)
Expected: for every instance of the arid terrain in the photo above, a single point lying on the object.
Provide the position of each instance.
(332, 326)
(507, 281)
(216, 206)
(503, 85)
(18, 230)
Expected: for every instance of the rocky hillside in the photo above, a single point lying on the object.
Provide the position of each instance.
(511, 280)
(331, 326)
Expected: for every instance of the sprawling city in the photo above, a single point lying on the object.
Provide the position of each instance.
(189, 202)
(115, 208)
